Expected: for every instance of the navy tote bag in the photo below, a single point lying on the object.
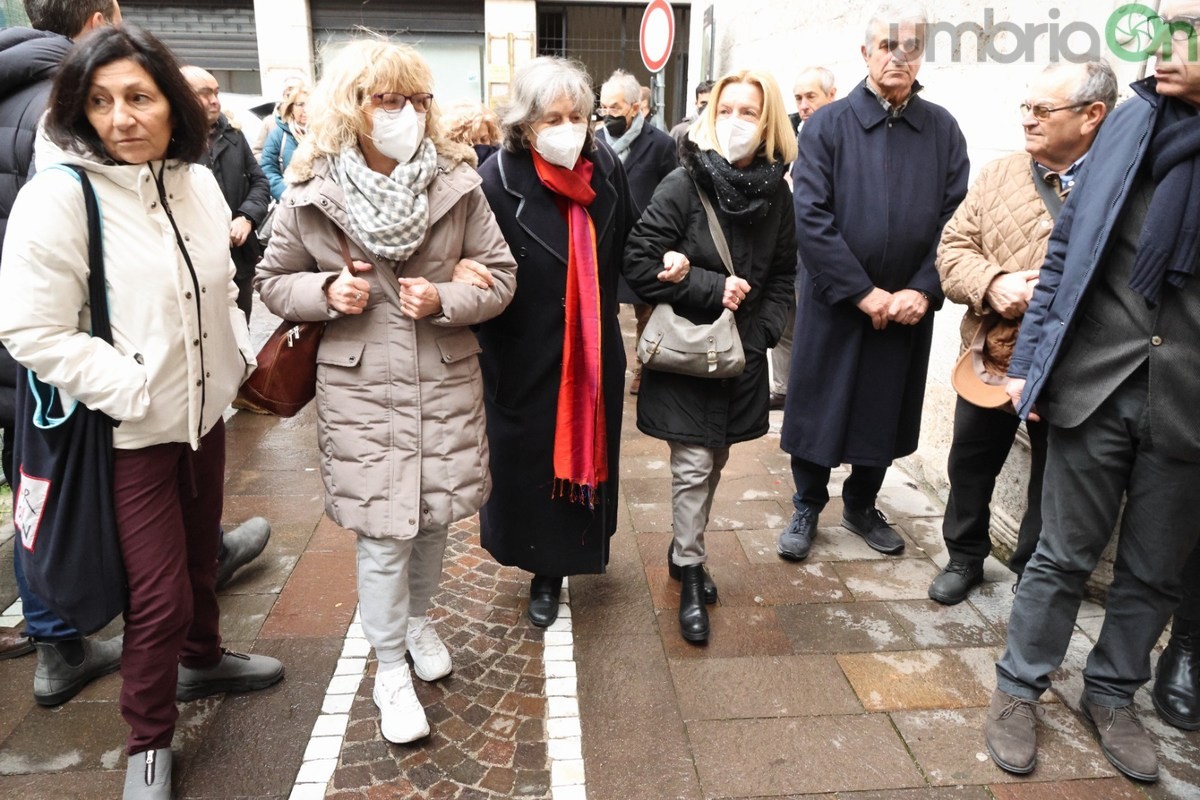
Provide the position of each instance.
(63, 505)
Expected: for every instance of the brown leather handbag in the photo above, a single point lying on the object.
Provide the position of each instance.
(285, 379)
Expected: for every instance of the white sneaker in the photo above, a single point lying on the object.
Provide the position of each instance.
(402, 719)
(431, 659)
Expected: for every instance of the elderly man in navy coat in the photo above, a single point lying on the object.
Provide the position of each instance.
(880, 172)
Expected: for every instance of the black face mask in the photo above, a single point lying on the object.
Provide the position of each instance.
(616, 126)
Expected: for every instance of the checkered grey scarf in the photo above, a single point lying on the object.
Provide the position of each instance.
(389, 213)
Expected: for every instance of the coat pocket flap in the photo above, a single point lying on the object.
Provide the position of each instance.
(457, 346)
(340, 353)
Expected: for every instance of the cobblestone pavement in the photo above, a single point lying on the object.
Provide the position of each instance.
(487, 718)
(835, 678)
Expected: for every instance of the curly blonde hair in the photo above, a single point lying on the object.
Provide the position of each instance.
(287, 106)
(778, 141)
(341, 100)
(471, 122)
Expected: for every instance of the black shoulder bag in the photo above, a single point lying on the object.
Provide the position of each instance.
(63, 505)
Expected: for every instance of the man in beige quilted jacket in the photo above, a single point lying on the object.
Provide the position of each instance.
(988, 259)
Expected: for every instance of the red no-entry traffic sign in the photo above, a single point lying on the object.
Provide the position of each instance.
(657, 35)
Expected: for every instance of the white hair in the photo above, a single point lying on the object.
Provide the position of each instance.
(630, 89)
(893, 13)
(824, 74)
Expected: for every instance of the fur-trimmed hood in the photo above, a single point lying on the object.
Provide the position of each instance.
(450, 155)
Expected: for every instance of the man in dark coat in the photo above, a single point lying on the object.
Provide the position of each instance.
(648, 154)
(29, 57)
(1107, 355)
(247, 190)
(879, 174)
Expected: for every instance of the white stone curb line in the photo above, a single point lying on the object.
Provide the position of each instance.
(325, 744)
(564, 736)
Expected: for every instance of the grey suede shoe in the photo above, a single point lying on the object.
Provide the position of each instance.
(240, 546)
(235, 672)
(1124, 742)
(148, 775)
(55, 681)
(1010, 731)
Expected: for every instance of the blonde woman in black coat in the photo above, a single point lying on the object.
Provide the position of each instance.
(737, 154)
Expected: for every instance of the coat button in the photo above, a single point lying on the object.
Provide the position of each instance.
(195, 342)
(1156, 340)
(199, 383)
(522, 252)
(187, 295)
(154, 204)
(412, 521)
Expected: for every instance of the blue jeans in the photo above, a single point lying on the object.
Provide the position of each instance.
(40, 621)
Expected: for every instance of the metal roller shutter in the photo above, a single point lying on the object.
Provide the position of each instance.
(214, 34)
(412, 17)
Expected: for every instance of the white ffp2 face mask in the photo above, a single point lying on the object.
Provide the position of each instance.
(398, 135)
(561, 144)
(737, 137)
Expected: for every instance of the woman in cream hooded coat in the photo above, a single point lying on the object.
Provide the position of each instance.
(399, 394)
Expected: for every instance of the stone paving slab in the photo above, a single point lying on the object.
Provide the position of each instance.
(949, 746)
(749, 758)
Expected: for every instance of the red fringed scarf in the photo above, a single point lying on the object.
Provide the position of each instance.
(580, 435)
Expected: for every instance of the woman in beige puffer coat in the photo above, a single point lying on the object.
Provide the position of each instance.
(399, 392)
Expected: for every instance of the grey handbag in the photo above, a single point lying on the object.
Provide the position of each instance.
(671, 343)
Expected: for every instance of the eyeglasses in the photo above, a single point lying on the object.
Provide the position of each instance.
(394, 102)
(1044, 112)
(1182, 28)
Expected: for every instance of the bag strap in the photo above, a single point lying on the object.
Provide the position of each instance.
(97, 291)
(388, 278)
(1053, 202)
(714, 227)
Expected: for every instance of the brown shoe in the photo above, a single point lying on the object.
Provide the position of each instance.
(14, 643)
(1010, 731)
(1124, 742)
(637, 381)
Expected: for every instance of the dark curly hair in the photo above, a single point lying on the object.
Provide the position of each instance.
(67, 124)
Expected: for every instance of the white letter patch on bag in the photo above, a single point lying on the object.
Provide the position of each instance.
(27, 514)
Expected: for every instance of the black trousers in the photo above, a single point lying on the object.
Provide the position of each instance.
(982, 440)
(1189, 607)
(812, 485)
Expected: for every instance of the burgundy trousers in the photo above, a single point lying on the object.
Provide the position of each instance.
(168, 500)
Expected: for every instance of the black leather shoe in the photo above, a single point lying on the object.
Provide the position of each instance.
(693, 616)
(543, 600)
(954, 583)
(778, 401)
(873, 527)
(1177, 681)
(710, 588)
(796, 539)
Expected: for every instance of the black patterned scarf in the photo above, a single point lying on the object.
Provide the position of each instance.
(743, 194)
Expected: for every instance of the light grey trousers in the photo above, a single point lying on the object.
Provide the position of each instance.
(695, 473)
(397, 579)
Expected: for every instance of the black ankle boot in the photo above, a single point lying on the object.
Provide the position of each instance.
(693, 616)
(1177, 683)
(710, 588)
(543, 600)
